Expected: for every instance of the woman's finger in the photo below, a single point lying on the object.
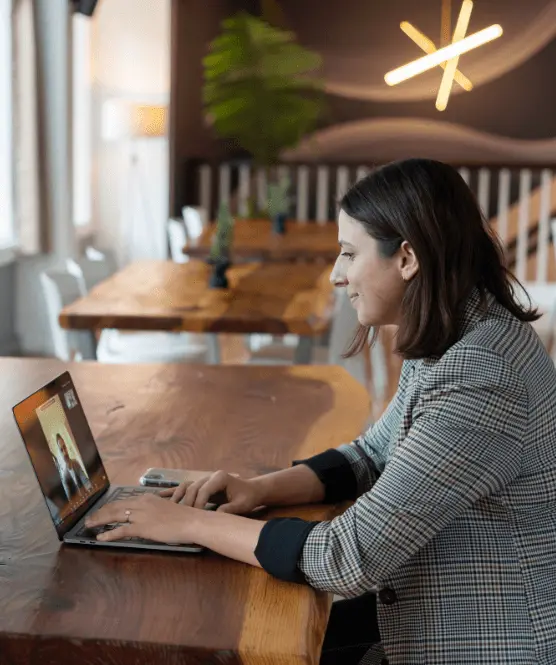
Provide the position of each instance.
(178, 493)
(217, 483)
(192, 491)
(109, 514)
(115, 511)
(119, 533)
(232, 508)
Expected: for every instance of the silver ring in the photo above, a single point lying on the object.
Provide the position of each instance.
(127, 515)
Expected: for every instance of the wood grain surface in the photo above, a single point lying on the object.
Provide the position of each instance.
(65, 605)
(161, 295)
(254, 239)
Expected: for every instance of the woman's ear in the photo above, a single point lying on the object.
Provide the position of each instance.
(409, 265)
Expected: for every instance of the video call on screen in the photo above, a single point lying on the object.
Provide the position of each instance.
(62, 449)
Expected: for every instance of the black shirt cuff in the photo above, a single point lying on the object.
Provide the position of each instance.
(280, 545)
(335, 473)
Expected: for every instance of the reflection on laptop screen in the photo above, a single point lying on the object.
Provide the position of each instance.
(61, 448)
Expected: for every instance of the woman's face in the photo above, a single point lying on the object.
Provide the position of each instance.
(63, 448)
(375, 285)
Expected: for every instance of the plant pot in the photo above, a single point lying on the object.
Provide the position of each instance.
(279, 223)
(218, 278)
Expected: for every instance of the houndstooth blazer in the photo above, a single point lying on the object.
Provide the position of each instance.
(455, 520)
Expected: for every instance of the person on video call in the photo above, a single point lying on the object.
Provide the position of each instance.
(71, 472)
(447, 555)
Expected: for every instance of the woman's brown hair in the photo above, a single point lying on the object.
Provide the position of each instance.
(429, 205)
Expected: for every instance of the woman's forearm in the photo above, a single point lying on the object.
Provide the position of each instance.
(237, 537)
(294, 486)
(230, 535)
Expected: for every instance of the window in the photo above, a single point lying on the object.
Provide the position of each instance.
(82, 102)
(6, 172)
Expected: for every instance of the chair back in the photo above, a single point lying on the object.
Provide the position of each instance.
(177, 240)
(61, 288)
(92, 272)
(194, 220)
(107, 256)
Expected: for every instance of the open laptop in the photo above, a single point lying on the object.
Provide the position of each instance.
(69, 469)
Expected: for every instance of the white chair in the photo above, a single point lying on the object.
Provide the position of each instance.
(195, 220)
(343, 325)
(91, 271)
(177, 240)
(551, 345)
(63, 287)
(262, 343)
(543, 296)
(106, 256)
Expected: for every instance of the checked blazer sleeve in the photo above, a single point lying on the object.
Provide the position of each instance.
(352, 469)
(464, 443)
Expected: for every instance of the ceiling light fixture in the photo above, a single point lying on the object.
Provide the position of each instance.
(446, 57)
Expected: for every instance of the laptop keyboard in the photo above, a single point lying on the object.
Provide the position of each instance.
(119, 495)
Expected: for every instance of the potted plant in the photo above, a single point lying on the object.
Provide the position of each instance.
(260, 90)
(279, 203)
(220, 249)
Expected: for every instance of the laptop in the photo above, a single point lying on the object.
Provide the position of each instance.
(69, 469)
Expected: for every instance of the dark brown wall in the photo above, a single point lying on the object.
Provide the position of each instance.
(194, 24)
(362, 41)
(359, 41)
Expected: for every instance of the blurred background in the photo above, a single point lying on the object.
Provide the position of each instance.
(116, 115)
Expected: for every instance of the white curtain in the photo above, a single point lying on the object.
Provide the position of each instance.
(27, 210)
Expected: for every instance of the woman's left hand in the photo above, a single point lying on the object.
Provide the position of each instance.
(148, 516)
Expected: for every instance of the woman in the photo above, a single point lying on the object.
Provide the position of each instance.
(71, 472)
(454, 522)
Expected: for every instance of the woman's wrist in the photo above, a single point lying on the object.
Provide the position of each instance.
(295, 485)
(192, 524)
(230, 535)
(261, 485)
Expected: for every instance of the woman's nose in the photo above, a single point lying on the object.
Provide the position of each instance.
(337, 277)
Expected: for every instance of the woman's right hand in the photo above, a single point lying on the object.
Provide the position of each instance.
(240, 496)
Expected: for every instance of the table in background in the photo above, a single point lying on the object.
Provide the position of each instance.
(255, 240)
(272, 298)
(64, 604)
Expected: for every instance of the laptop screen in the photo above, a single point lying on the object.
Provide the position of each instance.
(62, 451)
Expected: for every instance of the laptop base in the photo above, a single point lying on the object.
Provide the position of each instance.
(81, 535)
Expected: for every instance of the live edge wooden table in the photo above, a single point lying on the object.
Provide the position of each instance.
(62, 604)
(255, 240)
(273, 298)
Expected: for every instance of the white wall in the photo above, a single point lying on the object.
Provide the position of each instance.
(130, 51)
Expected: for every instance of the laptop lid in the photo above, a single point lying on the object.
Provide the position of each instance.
(62, 451)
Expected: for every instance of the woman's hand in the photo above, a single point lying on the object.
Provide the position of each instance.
(147, 516)
(241, 496)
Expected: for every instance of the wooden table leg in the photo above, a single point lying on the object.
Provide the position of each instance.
(213, 349)
(304, 351)
(84, 343)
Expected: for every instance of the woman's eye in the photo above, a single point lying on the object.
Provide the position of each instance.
(348, 255)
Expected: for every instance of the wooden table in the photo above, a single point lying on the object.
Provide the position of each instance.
(63, 604)
(161, 295)
(254, 239)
